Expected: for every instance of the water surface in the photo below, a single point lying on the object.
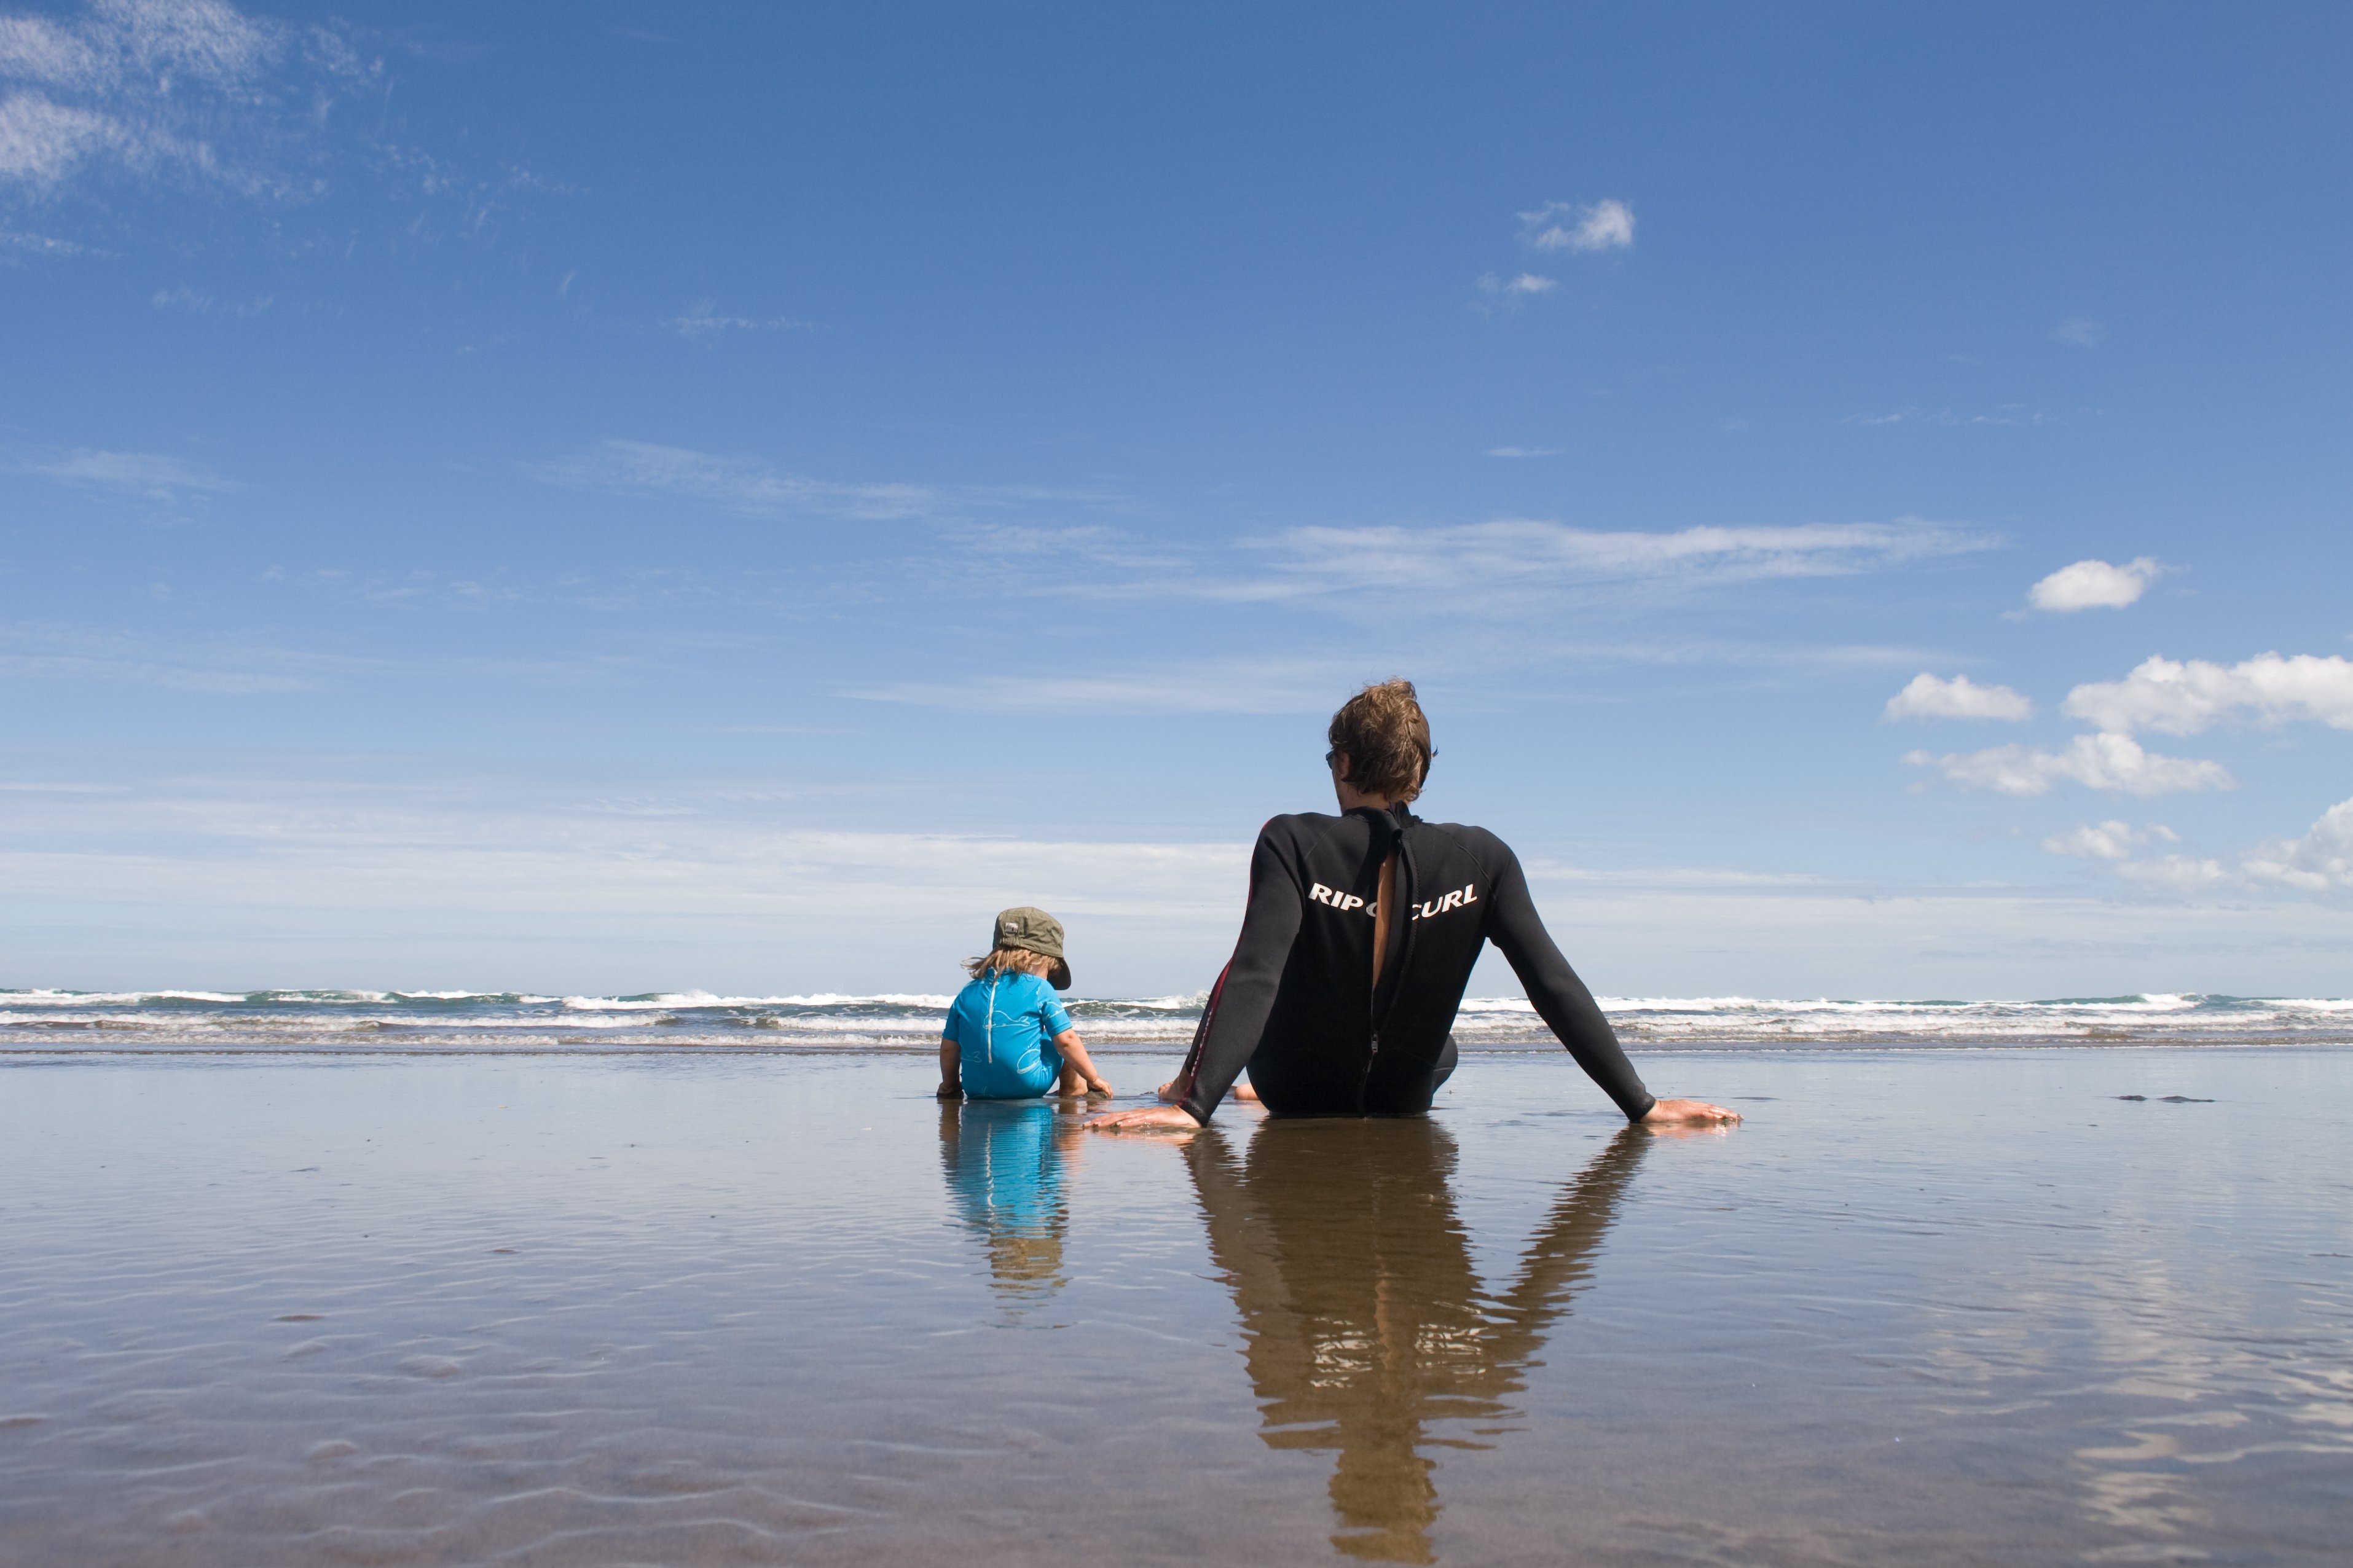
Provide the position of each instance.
(1925, 1306)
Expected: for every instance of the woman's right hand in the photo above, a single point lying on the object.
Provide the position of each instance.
(1673, 1113)
(1144, 1119)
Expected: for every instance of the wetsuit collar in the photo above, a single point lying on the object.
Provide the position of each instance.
(1393, 820)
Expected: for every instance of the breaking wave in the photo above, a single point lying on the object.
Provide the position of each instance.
(48, 1021)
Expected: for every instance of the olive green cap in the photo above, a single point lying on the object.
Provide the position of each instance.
(1033, 930)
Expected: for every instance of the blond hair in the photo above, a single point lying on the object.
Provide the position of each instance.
(1385, 736)
(1020, 960)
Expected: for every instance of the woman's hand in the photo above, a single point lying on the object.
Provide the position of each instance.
(1674, 1112)
(1144, 1119)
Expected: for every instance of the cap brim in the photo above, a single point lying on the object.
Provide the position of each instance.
(1060, 977)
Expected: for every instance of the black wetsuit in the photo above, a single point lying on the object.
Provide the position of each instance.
(1297, 1004)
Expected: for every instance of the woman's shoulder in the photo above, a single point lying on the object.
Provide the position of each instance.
(1478, 840)
(1295, 825)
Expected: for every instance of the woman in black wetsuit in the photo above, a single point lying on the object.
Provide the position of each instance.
(1359, 940)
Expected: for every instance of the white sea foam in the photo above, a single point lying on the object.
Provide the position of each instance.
(356, 1020)
(671, 1001)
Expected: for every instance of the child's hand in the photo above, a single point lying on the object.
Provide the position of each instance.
(1097, 1086)
(950, 1091)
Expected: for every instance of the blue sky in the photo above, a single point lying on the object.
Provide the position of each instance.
(616, 497)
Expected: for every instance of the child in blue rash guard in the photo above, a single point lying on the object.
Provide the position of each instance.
(1006, 1035)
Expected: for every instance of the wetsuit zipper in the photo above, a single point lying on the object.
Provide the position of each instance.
(1403, 901)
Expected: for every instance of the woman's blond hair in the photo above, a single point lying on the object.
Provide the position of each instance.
(1020, 960)
(1385, 736)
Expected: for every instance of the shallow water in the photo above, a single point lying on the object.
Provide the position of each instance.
(1923, 1306)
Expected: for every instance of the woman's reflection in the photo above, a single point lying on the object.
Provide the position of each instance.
(1363, 1316)
(1007, 1170)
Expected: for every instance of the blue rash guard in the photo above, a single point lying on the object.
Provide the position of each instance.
(1003, 1025)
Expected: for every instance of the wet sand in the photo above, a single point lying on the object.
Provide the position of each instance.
(1959, 1305)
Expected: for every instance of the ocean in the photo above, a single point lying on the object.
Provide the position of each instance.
(2028, 1304)
(392, 1279)
(426, 1021)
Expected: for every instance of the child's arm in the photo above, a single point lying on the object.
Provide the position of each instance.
(951, 1071)
(1074, 1051)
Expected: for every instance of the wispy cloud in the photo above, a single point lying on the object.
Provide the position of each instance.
(26, 244)
(1607, 224)
(756, 488)
(1229, 687)
(148, 475)
(2182, 697)
(2111, 840)
(2079, 332)
(2093, 585)
(1928, 697)
(199, 303)
(2103, 762)
(152, 87)
(2005, 415)
(1515, 554)
(705, 320)
(736, 483)
(1523, 451)
(456, 844)
(1505, 292)
(34, 652)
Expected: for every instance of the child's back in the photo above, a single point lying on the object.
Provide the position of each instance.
(1004, 1025)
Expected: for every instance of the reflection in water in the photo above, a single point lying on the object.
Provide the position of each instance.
(1364, 1316)
(1007, 1169)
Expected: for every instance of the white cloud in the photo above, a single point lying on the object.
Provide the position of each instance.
(2079, 332)
(739, 484)
(41, 142)
(2110, 840)
(2180, 873)
(1508, 291)
(146, 41)
(1523, 451)
(1520, 552)
(2320, 860)
(2093, 585)
(1961, 698)
(1607, 224)
(2181, 698)
(2096, 761)
(147, 474)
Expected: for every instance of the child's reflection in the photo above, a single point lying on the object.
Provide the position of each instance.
(1007, 1168)
(1364, 1318)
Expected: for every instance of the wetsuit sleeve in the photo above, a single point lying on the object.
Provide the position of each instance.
(1246, 995)
(1560, 998)
(948, 1025)
(1055, 1016)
